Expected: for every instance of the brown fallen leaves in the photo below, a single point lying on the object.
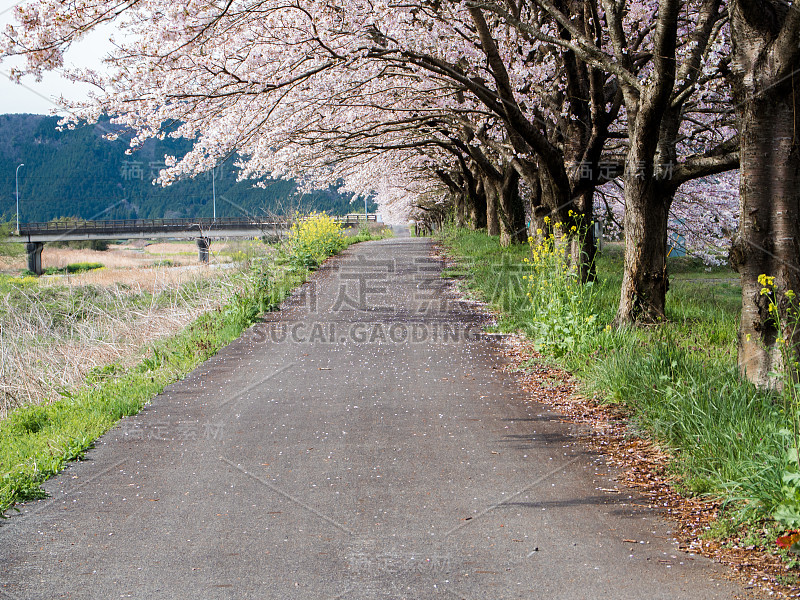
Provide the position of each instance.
(641, 466)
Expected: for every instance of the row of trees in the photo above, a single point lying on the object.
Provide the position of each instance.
(513, 110)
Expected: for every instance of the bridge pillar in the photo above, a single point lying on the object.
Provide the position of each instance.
(34, 250)
(202, 249)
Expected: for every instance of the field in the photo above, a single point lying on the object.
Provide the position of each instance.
(134, 254)
(58, 329)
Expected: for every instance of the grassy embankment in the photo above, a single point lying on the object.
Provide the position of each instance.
(677, 382)
(80, 356)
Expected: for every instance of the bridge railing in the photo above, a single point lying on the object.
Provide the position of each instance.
(356, 217)
(139, 225)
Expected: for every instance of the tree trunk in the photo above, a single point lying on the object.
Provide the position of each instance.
(460, 205)
(511, 209)
(577, 212)
(765, 86)
(477, 204)
(648, 198)
(645, 281)
(536, 211)
(478, 211)
(583, 246)
(492, 201)
(769, 231)
(555, 199)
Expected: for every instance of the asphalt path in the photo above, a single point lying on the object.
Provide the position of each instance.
(361, 443)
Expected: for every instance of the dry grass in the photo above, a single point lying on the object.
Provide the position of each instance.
(11, 263)
(134, 255)
(116, 257)
(54, 332)
(154, 280)
(186, 252)
(112, 258)
(171, 249)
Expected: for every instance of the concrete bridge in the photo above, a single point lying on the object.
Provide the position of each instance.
(35, 235)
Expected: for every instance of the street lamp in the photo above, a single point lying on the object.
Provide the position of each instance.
(214, 190)
(17, 178)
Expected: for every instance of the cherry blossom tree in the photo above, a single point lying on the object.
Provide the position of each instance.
(292, 87)
(288, 86)
(659, 54)
(765, 39)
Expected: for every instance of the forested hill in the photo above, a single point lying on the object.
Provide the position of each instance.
(80, 174)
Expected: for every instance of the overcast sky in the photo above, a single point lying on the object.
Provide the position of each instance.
(38, 97)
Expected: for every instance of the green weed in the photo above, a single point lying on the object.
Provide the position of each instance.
(73, 268)
(165, 262)
(313, 238)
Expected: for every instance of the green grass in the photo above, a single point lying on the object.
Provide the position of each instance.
(166, 262)
(36, 442)
(15, 283)
(363, 235)
(73, 268)
(677, 381)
